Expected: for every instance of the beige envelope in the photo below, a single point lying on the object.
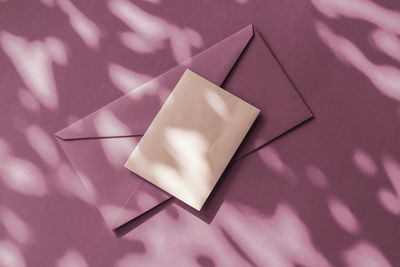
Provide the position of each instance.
(192, 139)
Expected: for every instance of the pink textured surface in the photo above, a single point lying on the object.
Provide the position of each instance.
(328, 192)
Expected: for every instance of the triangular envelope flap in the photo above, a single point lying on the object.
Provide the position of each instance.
(145, 197)
(260, 80)
(132, 113)
(109, 187)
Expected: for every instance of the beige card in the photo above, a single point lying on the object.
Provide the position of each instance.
(192, 139)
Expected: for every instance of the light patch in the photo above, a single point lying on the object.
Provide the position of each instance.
(316, 177)
(151, 88)
(201, 236)
(392, 169)
(28, 101)
(364, 162)
(272, 159)
(110, 212)
(106, 123)
(217, 104)
(43, 145)
(116, 150)
(168, 177)
(34, 66)
(387, 43)
(189, 143)
(195, 164)
(389, 201)
(72, 258)
(124, 79)
(48, 3)
(365, 254)
(23, 177)
(152, 1)
(56, 50)
(10, 255)
(283, 237)
(366, 10)
(83, 26)
(150, 33)
(386, 78)
(69, 184)
(131, 259)
(15, 226)
(139, 44)
(343, 216)
(193, 37)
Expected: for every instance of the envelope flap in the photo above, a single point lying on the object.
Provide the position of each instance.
(260, 80)
(131, 114)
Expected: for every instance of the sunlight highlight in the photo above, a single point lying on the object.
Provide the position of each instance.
(389, 201)
(195, 163)
(386, 78)
(28, 101)
(48, 3)
(364, 162)
(217, 103)
(107, 124)
(283, 236)
(72, 258)
(15, 226)
(33, 61)
(23, 177)
(149, 33)
(110, 212)
(70, 184)
(316, 177)
(392, 169)
(158, 254)
(116, 150)
(169, 171)
(56, 50)
(124, 79)
(241, 2)
(43, 145)
(153, 1)
(366, 10)
(343, 216)
(272, 159)
(240, 236)
(83, 26)
(365, 254)
(10, 255)
(387, 42)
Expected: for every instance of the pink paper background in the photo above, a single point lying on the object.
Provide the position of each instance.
(326, 194)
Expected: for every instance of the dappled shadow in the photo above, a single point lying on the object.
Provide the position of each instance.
(47, 63)
(335, 180)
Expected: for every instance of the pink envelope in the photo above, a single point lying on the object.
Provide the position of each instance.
(99, 144)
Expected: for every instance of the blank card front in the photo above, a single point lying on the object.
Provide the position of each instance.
(192, 139)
